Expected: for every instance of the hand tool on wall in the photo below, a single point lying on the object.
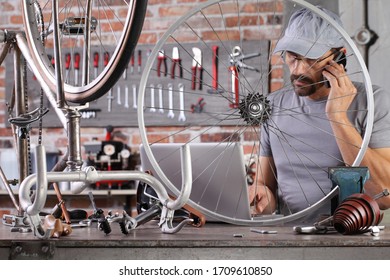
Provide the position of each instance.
(176, 61)
(197, 68)
(198, 107)
(152, 106)
(171, 114)
(160, 98)
(96, 63)
(110, 97)
(215, 63)
(132, 64)
(134, 96)
(161, 62)
(76, 65)
(124, 75)
(236, 65)
(118, 96)
(67, 66)
(139, 61)
(126, 96)
(235, 87)
(182, 117)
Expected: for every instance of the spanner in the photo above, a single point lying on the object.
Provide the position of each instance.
(160, 98)
(182, 117)
(171, 114)
(152, 107)
(126, 96)
(118, 99)
(134, 96)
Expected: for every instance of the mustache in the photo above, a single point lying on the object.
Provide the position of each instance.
(301, 78)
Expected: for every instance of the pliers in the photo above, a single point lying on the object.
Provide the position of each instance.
(176, 60)
(162, 59)
(197, 67)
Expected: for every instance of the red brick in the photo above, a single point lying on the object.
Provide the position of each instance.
(244, 21)
(225, 7)
(181, 138)
(277, 73)
(251, 135)
(232, 35)
(6, 7)
(173, 11)
(276, 86)
(16, 19)
(250, 149)
(220, 137)
(158, 2)
(271, 6)
(147, 38)
(5, 132)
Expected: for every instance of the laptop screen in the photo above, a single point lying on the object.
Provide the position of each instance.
(218, 173)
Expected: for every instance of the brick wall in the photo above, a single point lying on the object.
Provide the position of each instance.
(160, 15)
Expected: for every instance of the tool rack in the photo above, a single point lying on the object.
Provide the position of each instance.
(125, 114)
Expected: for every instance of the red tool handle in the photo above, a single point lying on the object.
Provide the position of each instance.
(77, 61)
(159, 62)
(235, 87)
(139, 58)
(174, 62)
(193, 78)
(106, 58)
(67, 61)
(96, 60)
(132, 60)
(200, 68)
(215, 67)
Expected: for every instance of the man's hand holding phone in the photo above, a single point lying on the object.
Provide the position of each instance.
(342, 90)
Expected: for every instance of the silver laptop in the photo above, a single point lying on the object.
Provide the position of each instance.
(218, 173)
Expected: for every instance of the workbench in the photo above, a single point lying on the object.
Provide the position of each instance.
(212, 241)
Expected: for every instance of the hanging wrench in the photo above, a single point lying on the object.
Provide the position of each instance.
(152, 107)
(182, 117)
(160, 98)
(76, 68)
(134, 96)
(126, 96)
(171, 114)
(118, 100)
(96, 64)
(67, 66)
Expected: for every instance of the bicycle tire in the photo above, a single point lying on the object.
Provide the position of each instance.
(93, 87)
(194, 129)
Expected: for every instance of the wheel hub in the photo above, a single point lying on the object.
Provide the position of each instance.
(255, 109)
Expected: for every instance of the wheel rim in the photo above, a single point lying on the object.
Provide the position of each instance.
(246, 120)
(115, 30)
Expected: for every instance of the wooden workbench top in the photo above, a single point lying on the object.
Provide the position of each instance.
(214, 240)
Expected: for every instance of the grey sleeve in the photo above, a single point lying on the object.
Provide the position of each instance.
(380, 136)
(265, 148)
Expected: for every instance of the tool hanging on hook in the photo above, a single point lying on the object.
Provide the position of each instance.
(236, 64)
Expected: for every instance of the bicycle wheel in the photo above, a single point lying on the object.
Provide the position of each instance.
(94, 53)
(231, 43)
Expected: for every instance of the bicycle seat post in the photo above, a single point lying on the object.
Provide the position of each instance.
(75, 161)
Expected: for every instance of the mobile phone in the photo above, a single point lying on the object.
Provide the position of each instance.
(340, 58)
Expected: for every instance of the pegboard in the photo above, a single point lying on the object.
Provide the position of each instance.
(123, 96)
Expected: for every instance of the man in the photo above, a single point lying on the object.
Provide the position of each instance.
(317, 124)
